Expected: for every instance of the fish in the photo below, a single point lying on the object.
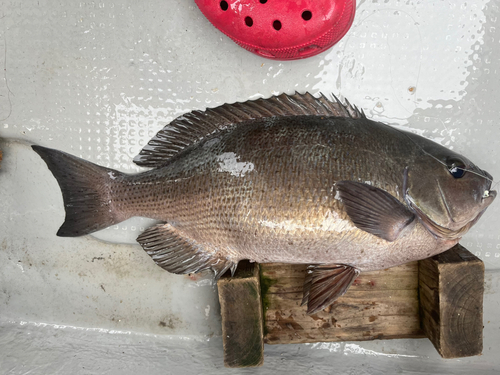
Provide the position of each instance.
(292, 179)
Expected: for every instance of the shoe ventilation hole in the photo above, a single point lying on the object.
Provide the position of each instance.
(248, 21)
(263, 1)
(224, 5)
(277, 25)
(307, 15)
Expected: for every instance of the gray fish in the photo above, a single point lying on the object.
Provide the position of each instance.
(292, 179)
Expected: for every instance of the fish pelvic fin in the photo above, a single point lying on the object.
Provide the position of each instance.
(173, 251)
(85, 189)
(324, 284)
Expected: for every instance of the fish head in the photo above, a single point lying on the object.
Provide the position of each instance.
(446, 190)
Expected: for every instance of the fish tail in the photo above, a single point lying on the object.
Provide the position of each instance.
(86, 191)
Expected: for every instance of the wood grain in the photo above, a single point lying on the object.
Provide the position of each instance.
(241, 310)
(380, 304)
(440, 298)
(451, 302)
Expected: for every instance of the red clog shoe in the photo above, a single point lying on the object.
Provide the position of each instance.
(281, 29)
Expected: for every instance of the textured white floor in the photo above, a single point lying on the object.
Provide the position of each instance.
(98, 79)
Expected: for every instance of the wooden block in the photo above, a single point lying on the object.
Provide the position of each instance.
(241, 310)
(440, 298)
(451, 302)
(379, 305)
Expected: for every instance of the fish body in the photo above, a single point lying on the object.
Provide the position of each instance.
(292, 179)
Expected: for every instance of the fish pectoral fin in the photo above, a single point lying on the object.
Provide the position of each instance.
(174, 252)
(325, 283)
(374, 210)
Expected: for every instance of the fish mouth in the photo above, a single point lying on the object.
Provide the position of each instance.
(437, 230)
(489, 195)
(487, 198)
(434, 228)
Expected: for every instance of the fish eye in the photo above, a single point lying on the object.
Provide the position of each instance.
(456, 168)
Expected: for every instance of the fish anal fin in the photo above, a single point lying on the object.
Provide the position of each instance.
(191, 128)
(374, 210)
(174, 252)
(324, 284)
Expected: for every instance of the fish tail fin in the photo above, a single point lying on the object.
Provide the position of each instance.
(86, 192)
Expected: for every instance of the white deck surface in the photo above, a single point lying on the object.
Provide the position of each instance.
(98, 78)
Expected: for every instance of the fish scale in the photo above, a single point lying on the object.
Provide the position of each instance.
(270, 205)
(292, 179)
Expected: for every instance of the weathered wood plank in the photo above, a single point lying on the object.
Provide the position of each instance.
(440, 298)
(287, 329)
(380, 304)
(359, 301)
(451, 302)
(290, 278)
(241, 311)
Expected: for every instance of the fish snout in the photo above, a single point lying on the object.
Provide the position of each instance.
(487, 175)
(488, 195)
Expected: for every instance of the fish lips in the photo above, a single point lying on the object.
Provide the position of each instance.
(489, 197)
(445, 233)
(489, 193)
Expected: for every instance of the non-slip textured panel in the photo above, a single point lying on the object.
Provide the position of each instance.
(99, 78)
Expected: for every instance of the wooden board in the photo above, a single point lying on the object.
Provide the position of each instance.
(241, 310)
(451, 302)
(379, 305)
(440, 298)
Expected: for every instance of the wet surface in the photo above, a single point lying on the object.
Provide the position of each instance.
(99, 79)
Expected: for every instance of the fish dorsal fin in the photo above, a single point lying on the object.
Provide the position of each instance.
(192, 127)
